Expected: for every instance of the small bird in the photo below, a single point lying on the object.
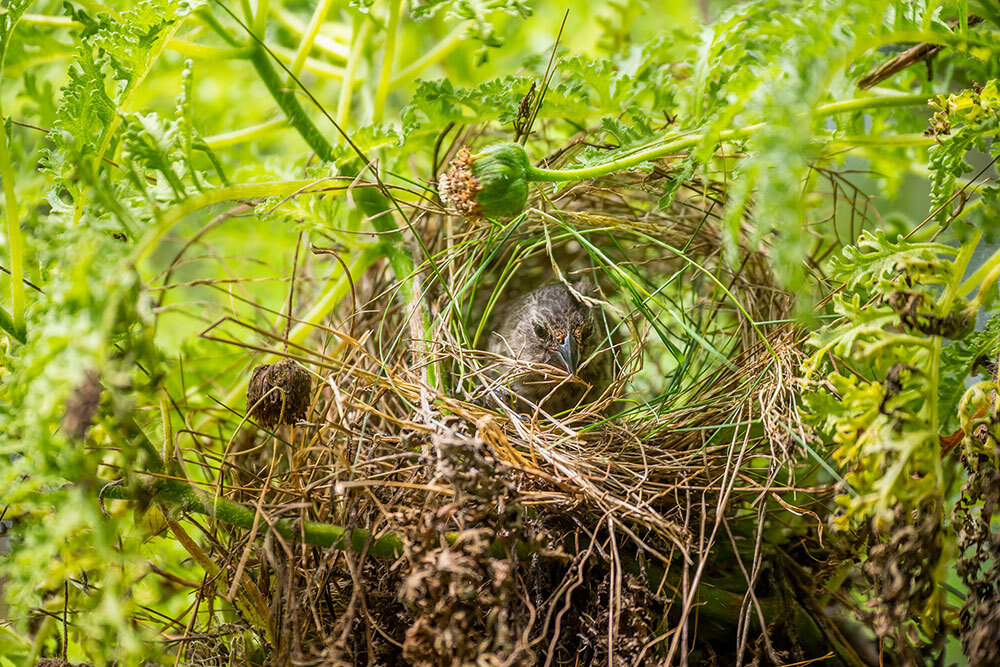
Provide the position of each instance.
(550, 326)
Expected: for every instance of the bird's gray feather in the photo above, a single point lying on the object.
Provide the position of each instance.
(525, 331)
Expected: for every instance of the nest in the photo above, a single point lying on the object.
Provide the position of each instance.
(525, 539)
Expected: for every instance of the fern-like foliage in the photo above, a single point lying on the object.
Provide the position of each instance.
(160, 154)
(964, 121)
(477, 13)
(882, 405)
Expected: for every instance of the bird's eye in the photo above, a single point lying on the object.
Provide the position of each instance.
(539, 330)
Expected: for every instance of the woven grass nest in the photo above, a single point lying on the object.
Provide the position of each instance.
(483, 536)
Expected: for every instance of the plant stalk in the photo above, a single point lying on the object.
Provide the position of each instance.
(14, 323)
(247, 599)
(439, 51)
(260, 17)
(377, 208)
(347, 90)
(329, 45)
(384, 81)
(289, 104)
(17, 324)
(180, 495)
(246, 134)
(312, 30)
(977, 278)
(690, 140)
(181, 210)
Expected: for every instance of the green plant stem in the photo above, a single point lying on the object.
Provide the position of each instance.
(205, 52)
(180, 495)
(347, 90)
(312, 30)
(168, 428)
(13, 323)
(680, 143)
(871, 102)
(378, 210)
(960, 265)
(289, 104)
(41, 636)
(263, 129)
(206, 16)
(247, 599)
(179, 211)
(384, 81)
(260, 18)
(319, 67)
(976, 279)
(246, 134)
(17, 323)
(328, 45)
(440, 50)
(944, 305)
(235, 50)
(913, 139)
(247, 11)
(50, 21)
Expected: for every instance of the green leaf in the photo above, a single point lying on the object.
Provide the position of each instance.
(478, 13)
(874, 257)
(7, 324)
(12, 12)
(962, 123)
(678, 179)
(957, 364)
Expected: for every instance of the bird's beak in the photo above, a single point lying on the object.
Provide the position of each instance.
(569, 353)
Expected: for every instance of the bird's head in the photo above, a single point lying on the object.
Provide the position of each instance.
(558, 327)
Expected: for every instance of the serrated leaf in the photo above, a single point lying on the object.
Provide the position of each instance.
(874, 257)
(677, 179)
(957, 362)
(477, 12)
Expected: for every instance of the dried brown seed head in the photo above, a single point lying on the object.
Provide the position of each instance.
(82, 405)
(459, 186)
(279, 393)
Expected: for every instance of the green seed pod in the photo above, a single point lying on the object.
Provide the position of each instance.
(489, 184)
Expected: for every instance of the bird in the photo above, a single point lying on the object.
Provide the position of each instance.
(555, 348)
